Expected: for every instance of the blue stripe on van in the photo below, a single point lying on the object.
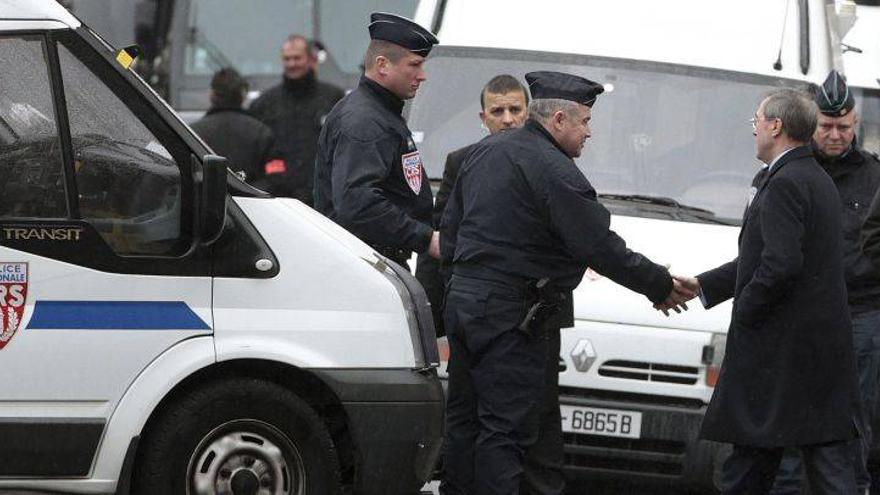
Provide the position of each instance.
(115, 315)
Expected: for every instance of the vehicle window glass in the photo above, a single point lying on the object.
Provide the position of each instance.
(869, 119)
(31, 167)
(129, 185)
(342, 28)
(662, 131)
(244, 35)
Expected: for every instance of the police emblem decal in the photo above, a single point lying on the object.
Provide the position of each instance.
(412, 170)
(13, 295)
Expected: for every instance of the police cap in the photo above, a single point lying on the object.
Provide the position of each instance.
(558, 85)
(401, 31)
(834, 97)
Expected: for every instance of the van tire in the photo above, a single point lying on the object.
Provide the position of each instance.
(234, 431)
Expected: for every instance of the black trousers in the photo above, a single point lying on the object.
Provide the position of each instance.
(503, 427)
(751, 470)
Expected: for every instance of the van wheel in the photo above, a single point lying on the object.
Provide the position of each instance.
(237, 437)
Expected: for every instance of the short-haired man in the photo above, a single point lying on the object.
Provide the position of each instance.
(247, 143)
(521, 226)
(369, 176)
(856, 173)
(503, 106)
(296, 110)
(788, 376)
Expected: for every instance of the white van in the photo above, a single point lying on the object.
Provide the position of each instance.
(861, 59)
(166, 329)
(672, 156)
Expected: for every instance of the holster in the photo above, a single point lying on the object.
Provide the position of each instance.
(542, 305)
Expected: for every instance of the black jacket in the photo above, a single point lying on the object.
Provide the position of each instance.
(296, 110)
(428, 270)
(246, 142)
(369, 176)
(788, 376)
(450, 174)
(857, 177)
(522, 208)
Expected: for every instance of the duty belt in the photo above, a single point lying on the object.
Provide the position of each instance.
(542, 302)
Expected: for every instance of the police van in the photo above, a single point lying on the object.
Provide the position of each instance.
(672, 157)
(166, 329)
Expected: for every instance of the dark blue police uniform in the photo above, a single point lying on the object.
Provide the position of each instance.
(521, 226)
(369, 176)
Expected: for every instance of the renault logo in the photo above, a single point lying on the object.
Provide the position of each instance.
(583, 355)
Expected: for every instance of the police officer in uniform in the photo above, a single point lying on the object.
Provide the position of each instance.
(369, 176)
(520, 228)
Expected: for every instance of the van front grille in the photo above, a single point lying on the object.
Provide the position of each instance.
(649, 372)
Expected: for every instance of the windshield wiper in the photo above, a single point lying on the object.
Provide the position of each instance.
(694, 211)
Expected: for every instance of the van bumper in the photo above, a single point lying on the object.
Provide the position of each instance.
(396, 421)
(667, 452)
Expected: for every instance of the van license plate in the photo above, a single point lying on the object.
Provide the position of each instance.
(606, 422)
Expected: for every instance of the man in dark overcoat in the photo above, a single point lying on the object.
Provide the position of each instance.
(788, 376)
(856, 173)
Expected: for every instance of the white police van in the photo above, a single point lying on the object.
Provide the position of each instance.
(167, 329)
(672, 156)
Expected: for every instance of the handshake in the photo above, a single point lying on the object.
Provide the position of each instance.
(683, 290)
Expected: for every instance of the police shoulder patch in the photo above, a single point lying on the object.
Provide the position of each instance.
(412, 170)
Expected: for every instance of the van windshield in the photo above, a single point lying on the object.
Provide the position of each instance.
(678, 135)
(868, 106)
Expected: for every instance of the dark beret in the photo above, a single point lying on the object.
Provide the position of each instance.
(401, 31)
(834, 97)
(558, 85)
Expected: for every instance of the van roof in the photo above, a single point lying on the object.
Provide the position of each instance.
(740, 35)
(36, 10)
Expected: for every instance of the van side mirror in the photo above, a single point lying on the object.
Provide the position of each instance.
(212, 196)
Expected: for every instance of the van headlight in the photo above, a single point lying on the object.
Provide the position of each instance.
(418, 313)
(713, 355)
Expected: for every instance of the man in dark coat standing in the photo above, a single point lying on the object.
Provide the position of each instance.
(296, 110)
(788, 376)
(369, 176)
(247, 143)
(521, 226)
(856, 173)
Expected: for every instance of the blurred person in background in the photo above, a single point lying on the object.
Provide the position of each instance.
(247, 143)
(295, 110)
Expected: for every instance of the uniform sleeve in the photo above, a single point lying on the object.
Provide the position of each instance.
(584, 226)
(359, 168)
(783, 228)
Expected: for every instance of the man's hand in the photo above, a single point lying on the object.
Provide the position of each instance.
(692, 284)
(683, 290)
(434, 246)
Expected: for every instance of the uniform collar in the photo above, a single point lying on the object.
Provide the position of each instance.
(536, 127)
(388, 99)
(852, 156)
